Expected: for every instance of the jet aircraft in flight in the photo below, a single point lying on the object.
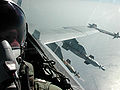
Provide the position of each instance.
(115, 35)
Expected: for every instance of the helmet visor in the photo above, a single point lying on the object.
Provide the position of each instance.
(11, 37)
(12, 24)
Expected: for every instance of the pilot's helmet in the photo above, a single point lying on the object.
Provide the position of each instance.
(12, 23)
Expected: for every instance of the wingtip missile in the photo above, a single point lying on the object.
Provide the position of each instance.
(70, 67)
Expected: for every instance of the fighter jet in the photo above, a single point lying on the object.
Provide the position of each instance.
(115, 35)
(80, 51)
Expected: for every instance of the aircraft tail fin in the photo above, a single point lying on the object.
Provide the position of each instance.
(19, 2)
(116, 35)
(92, 25)
(102, 67)
(36, 34)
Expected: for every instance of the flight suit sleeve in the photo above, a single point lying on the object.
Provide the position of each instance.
(31, 70)
(45, 85)
(31, 74)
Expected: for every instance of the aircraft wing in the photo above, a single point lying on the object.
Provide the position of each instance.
(65, 33)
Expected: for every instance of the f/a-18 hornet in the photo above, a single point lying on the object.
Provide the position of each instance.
(115, 35)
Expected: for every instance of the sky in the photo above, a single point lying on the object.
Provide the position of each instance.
(46, 15)
(107, 1)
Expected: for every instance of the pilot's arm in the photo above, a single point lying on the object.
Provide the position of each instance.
(27, 75)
